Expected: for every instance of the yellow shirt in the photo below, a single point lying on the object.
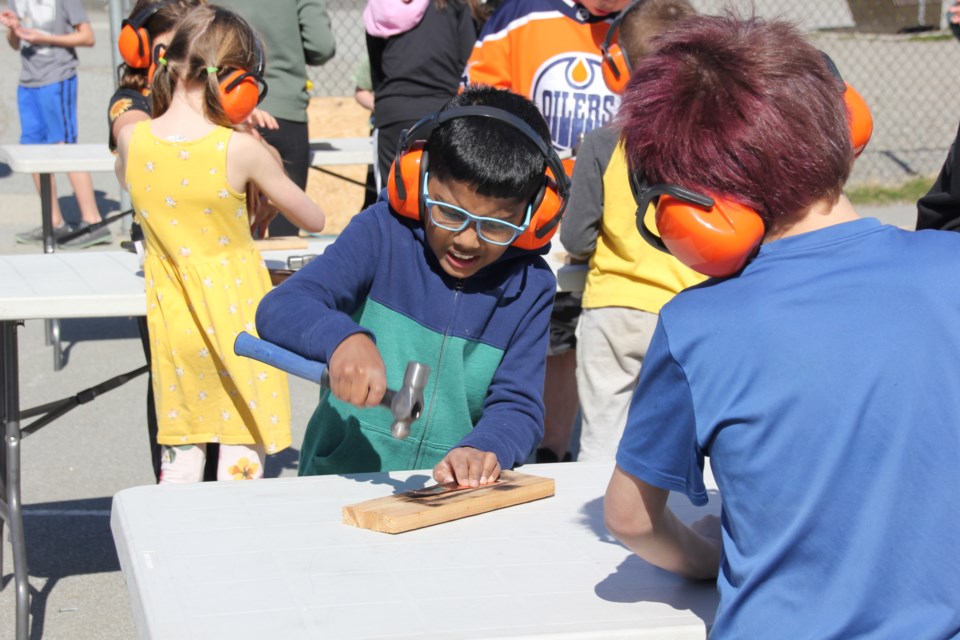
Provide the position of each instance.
(625, 271)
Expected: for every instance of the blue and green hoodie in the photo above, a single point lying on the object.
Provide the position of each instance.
(484, 338)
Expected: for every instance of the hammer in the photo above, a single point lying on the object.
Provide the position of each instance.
(406, 403)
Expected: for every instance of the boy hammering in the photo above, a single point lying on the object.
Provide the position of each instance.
(449, 273)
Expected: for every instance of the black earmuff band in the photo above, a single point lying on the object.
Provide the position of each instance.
(138, 21)
(644, 193)
(429, 122)
(257, 74)
(611, 32)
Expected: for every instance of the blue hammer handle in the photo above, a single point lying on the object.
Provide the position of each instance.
(267, 352)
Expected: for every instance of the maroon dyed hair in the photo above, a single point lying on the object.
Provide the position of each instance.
(739, 107)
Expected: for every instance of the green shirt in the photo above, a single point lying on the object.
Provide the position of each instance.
(295, 34)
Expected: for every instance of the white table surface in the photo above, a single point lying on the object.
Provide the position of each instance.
(57, 158)
(272, 559)
(60, 158)
(96, 284)
(110, 283)
(340, 151)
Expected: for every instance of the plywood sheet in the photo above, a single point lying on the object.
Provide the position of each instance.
(434, 505)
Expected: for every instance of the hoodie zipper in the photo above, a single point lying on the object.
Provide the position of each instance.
(435, 376)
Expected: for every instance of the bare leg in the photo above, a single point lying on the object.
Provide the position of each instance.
(83, 190)
(55, 216)
(561, 400)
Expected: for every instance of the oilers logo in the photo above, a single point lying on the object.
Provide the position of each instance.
(573, 98)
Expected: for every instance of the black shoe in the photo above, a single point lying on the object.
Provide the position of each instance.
(100, 235)
(35, 236)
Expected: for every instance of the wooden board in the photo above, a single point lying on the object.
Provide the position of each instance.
(434, 505)
(280, 243)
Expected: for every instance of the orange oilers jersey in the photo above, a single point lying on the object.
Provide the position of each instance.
(548, 51)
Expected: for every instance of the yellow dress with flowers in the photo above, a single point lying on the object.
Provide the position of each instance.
(204, 280)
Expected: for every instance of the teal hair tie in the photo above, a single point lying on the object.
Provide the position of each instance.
(212, 70)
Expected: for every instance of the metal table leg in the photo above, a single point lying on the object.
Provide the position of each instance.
(52, 326)
(11, 510)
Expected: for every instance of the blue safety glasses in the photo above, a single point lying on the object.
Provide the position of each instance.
(453, 218)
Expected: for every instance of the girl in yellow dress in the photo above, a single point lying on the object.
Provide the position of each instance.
(187, 170)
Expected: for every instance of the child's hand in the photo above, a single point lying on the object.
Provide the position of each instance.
(259, 118)
(468, 467)
(33, 36)
(357, 372)
(9, 19)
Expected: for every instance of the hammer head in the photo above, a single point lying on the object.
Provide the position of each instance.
(407, 402)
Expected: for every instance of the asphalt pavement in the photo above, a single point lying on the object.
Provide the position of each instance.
(73, 466)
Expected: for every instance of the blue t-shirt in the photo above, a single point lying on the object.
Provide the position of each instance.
(824, 384)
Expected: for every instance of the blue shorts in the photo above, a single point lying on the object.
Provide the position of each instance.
(48, 114)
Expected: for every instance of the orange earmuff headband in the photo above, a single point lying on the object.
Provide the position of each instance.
(134, 41)
(405, 180)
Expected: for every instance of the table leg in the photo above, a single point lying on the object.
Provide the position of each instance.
(11, 509)
(52, 326)
(46, 212)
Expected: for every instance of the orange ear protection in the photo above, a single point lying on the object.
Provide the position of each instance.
(615, 66)
(713, 236)
(134, 41)
(241, 90)
(858, 113)
(404, 183)
(717, 236)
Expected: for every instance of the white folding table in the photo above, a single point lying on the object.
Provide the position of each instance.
(340, 151)
(98, 284)
(271, 559)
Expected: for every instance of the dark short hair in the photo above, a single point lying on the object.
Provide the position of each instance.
(739, 107)
(492, 156)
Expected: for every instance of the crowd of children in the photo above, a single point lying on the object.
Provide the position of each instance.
(671, 117)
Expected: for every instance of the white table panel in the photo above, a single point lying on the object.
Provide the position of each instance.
(215, 560)
(340, 151)
(58, 158)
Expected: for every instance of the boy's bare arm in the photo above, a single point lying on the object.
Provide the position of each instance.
(82, 36)
(10, 20)
(636, 513)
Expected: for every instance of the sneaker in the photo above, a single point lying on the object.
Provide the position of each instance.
(100, 235)
(35, 236)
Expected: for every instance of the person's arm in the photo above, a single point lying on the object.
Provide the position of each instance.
(311, 314)
(939, 208)
(123, 144)
(511, 422)
(82, 36)
(319, 44)
(581, 220)
(11, 21)
(249, 160)
(127, 107)
(636, 513)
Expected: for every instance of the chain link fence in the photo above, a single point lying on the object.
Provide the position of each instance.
(898, 54)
